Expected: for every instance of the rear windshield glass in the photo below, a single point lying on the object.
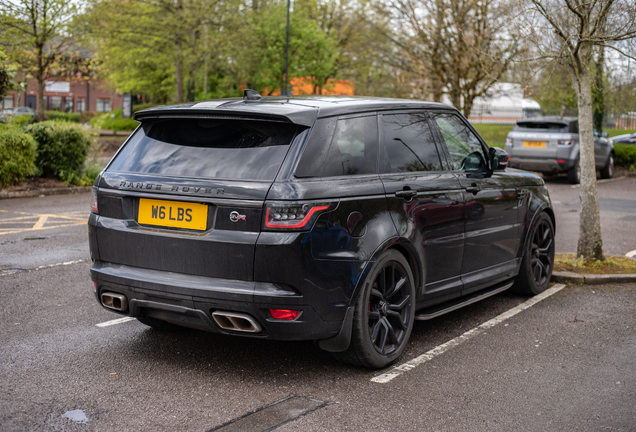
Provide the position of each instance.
(541, 126)
(207, 148)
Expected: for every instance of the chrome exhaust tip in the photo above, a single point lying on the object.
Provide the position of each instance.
(236, 322)
(114, 301)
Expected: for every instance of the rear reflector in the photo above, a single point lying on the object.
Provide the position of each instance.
(560, 160)
(94, 208)
(284, 314)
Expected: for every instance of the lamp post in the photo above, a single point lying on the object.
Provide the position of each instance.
(285, 92)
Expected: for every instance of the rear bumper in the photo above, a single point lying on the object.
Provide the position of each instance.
(541, 165)
(189, 301)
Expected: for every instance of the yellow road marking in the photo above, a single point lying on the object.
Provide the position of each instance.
(38, 222)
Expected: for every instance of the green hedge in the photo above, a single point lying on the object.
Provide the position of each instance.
(625, 155)
(113, 121)
(62, 149)
(62, 116)
(143, 106)
(17, 155)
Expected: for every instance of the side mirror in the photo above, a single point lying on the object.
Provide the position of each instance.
(498, 158)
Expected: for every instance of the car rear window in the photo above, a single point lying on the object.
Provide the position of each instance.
(207, 148)
(542, 126)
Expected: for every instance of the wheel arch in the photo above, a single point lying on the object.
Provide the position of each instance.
(404, 247)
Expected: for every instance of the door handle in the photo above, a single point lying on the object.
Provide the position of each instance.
(473, 189)
(406, 194)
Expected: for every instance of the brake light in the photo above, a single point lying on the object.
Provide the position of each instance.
(284, 314)
(508, 141)
(565, 142)
(94, 208)
(292, 216)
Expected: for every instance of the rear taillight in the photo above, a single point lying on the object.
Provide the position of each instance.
(508, 141)
(94, 208)
(565, 142)
(293, 216)
(284, 314)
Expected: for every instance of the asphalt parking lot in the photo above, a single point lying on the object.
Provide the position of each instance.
(564, 363)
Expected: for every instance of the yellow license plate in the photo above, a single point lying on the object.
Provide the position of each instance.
(535, 144)
(173, 214)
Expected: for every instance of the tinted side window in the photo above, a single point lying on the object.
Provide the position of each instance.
(351, 150)
(464, 148)
(409, 144)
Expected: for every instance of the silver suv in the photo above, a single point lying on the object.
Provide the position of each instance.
(550, 145)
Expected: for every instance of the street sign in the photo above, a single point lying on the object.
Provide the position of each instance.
(126, 106)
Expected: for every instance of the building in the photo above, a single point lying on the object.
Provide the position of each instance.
(71, 93)
(504, 104)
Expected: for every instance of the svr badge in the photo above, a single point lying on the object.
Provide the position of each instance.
(235, 216)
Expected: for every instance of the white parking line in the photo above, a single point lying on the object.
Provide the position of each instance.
(59, 264)
(631, 254)
(440, 349)
(115, 321)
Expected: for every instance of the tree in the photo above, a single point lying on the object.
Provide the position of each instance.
(7, 72)
(456, 47)
(154, 46)
(262, 61)
(568, 31)
(35, 34)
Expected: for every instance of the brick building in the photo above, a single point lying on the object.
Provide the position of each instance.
(67, 93)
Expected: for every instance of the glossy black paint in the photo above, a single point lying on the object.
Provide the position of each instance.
(460, 232)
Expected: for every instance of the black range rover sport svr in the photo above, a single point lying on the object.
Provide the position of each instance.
(335, 219)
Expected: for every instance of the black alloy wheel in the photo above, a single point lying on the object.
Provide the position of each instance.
(608, 170)
(574, 173)
(384, 314)
(538, 261)
(389, 309)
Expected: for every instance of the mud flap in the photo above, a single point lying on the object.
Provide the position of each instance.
(341, 341)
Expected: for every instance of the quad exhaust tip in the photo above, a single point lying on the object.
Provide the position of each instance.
(114, 301)
(236, 322)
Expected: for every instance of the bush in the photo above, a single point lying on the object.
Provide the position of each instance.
(62, 116)
(143, 106)
(86, 116)
(116, 123)
(21, 121)
(62, 148)
(17, 155)
(625, 154)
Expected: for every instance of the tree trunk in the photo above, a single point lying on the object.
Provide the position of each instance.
(40, 93)
(590, 245)
(178, 73)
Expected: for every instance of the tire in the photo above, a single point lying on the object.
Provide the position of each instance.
(538, 259)
(574, 173)
(384, 314)
(158, 324)
(608, 170)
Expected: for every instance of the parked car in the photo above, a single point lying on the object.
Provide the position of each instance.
(551, 145)
(5, 115)
(335, 219)
(624, 139)
(8, 113)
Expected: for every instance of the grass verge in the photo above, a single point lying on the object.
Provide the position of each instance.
(611, 265)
